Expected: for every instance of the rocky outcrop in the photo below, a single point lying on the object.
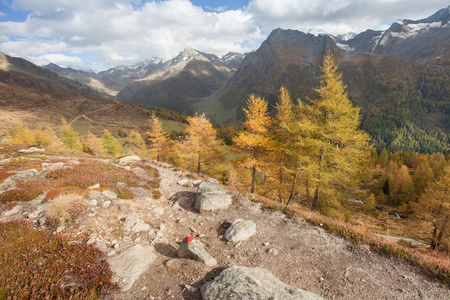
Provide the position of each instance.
(240, 230)
(251, 283)
(131, 263)
(211, 196)
(194, 249)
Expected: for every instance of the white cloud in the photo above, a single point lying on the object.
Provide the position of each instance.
(338, 16)
(112, 32)
(121, 33)
(56, 58)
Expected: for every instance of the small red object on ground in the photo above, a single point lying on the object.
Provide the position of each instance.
(188, 239)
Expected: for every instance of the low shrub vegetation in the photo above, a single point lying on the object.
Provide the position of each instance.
(35, 266)
(66, 208)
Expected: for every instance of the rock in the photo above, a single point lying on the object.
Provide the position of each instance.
(194, 249)
(130, 220)
(25, 174)
(140, 226)
(112, 253)
(32, 149)
(211, 196)
(102, 246)
(251, 283)
(131, 263)
(91, 241)
(162, 227)
(191, 288)
(93, 202)
(7, 184)
(13, 211)
(158, 211)
(106, 204)
(95, 186)
(142, 174)
(272, 251)
(185, 182)
(196, 182)
(128, 159)
(240, 230)
(109, 194)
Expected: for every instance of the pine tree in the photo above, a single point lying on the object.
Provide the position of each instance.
(433, 209)
(383, 158)
(94, 145)
(403, 189)
(336, 149)
(256, 135)
(136, 144)
(201, 140)
(423, 175)
(111, 145)
(283, 148)
(69, 137)
(23, 135)
(158, 137)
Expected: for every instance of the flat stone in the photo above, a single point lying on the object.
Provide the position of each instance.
(195, 250)
(140, 226)
(95, 186)
(130, 220)
(128, 159)
(251, 283)
(32, 149)
(13, 211)
(185, 182)
(212, 196)
(158, 210)
(109, 194)
(7, 184)
(130, 264)
(240, 230)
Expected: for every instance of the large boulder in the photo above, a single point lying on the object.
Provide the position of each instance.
(211, 196)
(131, 263)
(251, 283)
(240, 230)
(194, 249)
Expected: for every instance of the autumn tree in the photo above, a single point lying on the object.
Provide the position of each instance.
(69, 137)
(336, 148)
(423, 175)
(256, 137)
(136, 144)
(403, 188)
(93, 145)
(158, 137)
(111, 145)
(433, 209)
(283, 148)
(201, 140)
(22, 135)
(383, 158)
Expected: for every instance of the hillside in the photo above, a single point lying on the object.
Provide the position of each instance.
(37, 97)
(404, 104)
(298, 253)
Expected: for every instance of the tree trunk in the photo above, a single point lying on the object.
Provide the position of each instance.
(253, 179)
(198, 164)
(294, 183)
(316, 194)
(280, 194)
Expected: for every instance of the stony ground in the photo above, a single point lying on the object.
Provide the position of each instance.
(296, 252)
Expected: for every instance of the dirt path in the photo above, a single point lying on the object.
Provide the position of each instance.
(296, 252)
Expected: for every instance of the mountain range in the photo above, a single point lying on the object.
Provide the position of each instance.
(399, 78)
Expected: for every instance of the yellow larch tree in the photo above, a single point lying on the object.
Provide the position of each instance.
(331, 139)
(158, 137)
(201, 140)
(256, 137)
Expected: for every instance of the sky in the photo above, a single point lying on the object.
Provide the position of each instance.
(100, 34)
